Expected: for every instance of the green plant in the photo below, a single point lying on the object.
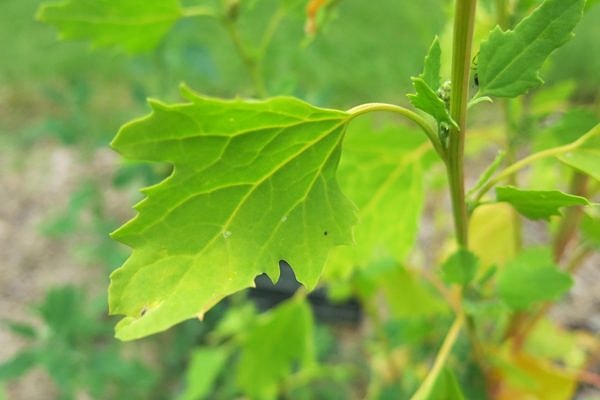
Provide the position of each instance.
(72, 346)
(259, 182)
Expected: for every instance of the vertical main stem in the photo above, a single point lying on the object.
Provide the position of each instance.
(464, 21)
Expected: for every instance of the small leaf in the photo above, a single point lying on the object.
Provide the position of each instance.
(530, 278)
(19, 364)
(523, 376)
(538, 204)
(407, 296)
(431, 69)
(460, 267)
(446, 387)
(426, 85)
(551, 341)
(492, 233)
(205, 365)
(509, 62)
(586, 157)
(253, 183)
(281, 340)
(426, 99)
(21, 329)
(128, 24)
(590, 228)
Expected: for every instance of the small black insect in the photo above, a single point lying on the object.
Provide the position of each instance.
(474, 66)
(475, 61)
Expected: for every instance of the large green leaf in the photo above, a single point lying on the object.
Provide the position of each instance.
(509, 62)
(129, 24)
(253, 183)
(281, 340)
(538, 204)
(530, 278)
(382, 172)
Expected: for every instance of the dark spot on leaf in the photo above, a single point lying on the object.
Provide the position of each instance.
(325, 233)
(143, 312)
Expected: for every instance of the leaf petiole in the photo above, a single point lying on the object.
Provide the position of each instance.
(476, 100)
(405, 112)
(197, 11)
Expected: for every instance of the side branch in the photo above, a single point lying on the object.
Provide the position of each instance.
(442, 357)
(519, 165)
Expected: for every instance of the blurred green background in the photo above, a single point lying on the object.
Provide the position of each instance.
(62, 190)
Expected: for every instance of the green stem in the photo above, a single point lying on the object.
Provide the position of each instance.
(572, 218)
(405, 112)
(426, 387)
(270, 30)
(464, 21)
(502, 13)
(517, 166)
(197, 11)
(249, 60)
(511, 157)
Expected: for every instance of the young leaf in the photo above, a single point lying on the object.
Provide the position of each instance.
(509, 62)
(530, 278)
(205, 365)
(379, 171)
(585, 158)
(426, 85)
(253, 183)
(538, 204)
(426, 99)
(128, 24)
(590, 229)
(431, 69)
(282, 339)
(460, 267)
(492, 230)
